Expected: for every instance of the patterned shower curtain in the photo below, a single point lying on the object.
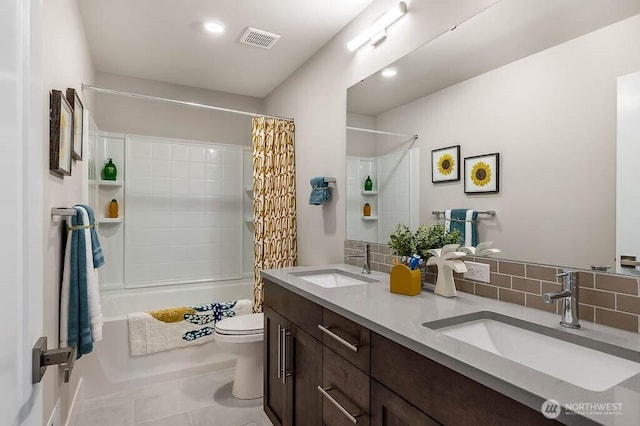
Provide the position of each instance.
(274, 199)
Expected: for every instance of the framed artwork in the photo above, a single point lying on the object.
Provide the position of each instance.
(482, 174)
(78, 122)
(60, 134)
(445, 164)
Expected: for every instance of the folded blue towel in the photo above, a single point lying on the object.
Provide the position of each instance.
(79, 327)
(463, 220)
(319, 191)
(98, 257)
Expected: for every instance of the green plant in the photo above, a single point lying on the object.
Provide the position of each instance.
(401, 241)
(434, 236)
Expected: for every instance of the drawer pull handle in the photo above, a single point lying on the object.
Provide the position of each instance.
(328, 332)
(352, 417)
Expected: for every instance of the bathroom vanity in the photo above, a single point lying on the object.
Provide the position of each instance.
(357, 354)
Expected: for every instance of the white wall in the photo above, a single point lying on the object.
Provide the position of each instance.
(552, 118)
(66, 63)
(315, 96)
(140, 117)
(628, 189)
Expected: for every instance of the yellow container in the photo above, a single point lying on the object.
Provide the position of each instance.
(405, 281)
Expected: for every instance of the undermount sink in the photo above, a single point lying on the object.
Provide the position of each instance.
(584, 362)
(330, 278)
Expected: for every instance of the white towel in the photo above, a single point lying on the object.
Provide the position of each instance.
(93, 286)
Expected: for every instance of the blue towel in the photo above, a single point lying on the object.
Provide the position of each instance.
(79, 323)
(319, 191)
(98, 257)
(463, 220)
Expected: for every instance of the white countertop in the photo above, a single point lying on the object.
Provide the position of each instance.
(400, 319)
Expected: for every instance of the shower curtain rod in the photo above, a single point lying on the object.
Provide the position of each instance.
(381, 132)
(176, 102)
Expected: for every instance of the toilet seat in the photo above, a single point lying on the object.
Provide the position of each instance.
(240, 329)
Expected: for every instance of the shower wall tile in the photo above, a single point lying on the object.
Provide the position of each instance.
(184, 212)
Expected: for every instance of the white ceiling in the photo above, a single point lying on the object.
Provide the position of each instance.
(163, 39)
(506, 32)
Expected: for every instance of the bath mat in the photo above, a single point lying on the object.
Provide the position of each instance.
(167, 329)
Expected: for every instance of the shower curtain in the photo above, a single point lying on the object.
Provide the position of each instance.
(274, 199)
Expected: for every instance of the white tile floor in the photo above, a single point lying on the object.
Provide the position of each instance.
(196, 401)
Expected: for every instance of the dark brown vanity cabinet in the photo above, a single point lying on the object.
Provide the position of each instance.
(324, 369)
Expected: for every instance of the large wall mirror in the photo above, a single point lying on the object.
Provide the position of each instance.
(537, 82)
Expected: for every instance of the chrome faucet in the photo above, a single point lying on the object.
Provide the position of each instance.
(569, 295)
(364, 256)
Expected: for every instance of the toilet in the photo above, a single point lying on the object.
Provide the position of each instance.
(244, 335)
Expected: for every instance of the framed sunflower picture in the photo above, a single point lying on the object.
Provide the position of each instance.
(445, 164)
(482, 174)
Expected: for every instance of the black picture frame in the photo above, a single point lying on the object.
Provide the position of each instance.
(60, 134)
(78, 122)
(482, 174)
(445, 164)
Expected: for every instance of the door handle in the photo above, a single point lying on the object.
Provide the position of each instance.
(279, 351)
(285, 334)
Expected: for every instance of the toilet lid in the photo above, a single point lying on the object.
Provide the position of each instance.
(241, 324)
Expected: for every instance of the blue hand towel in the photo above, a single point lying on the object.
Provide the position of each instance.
(79, 327)
(319, 191)
(463, 220)
(98, 257)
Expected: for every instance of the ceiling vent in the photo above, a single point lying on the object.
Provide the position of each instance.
(259, 38)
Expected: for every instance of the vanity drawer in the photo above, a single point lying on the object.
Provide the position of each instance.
(445, 395)
(300, 311)
(350, 340)
(344, 390)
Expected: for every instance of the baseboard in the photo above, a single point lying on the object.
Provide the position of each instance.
(76, 404)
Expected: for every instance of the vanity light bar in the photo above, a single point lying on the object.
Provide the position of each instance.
(379, 26)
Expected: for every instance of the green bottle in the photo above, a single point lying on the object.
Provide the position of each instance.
(368, 185)
(110, 172)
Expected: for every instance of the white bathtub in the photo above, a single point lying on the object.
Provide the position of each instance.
(110, 368)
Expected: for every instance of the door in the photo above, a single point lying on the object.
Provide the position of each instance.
(304, 364)
(275, 395)
(21, 209)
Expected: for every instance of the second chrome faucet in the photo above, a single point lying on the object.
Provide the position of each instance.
(569, 296)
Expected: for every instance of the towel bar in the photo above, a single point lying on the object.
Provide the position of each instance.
(488, 213)
(63, 211)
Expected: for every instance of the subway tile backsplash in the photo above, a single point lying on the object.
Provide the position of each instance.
(607, 299)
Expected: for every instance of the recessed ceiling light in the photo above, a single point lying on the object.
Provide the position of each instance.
(389, 72)
(214, 27)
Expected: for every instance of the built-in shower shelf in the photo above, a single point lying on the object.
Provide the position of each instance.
(248, 219)
(369, 217)
(248, 189)
(369, 192)
(114, 183)
(109, 220)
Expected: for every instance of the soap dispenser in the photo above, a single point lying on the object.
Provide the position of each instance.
(368, 184)
(110, 172)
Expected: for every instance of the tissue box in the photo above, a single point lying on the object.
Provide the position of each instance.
(405, 281)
